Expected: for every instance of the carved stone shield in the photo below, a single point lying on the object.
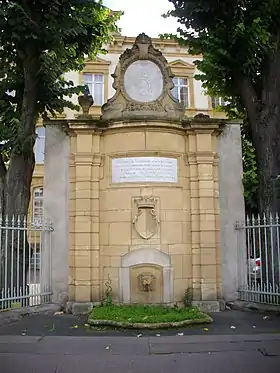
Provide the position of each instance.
(146, 220)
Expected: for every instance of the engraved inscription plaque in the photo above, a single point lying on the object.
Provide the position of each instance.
(143, 81)
(145, 169)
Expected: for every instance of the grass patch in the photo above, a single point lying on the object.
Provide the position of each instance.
(145, 314)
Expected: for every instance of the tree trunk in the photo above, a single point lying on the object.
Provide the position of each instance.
(266, 135)
(18, 181)
(264, 118)
(268, 158)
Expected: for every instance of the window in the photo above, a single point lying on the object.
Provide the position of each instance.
(181, 90)
(95, 83)
(38, 208)
(36, 257)
(217, 102)
(40, 145)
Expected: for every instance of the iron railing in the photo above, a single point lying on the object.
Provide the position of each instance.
(25, 265)
(259, 259)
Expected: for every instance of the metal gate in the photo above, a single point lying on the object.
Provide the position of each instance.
(259, 259)
(25, 268)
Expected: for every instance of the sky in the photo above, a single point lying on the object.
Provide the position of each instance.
(143, 16)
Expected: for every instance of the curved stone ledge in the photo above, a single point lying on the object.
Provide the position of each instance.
(163, 325)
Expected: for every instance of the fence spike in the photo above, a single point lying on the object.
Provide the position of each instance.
(18, 221)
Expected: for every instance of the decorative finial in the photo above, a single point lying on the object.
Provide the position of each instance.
(143, 39)
(86, 101)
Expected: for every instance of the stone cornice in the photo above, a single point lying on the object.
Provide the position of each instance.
(88, 159)
(96, 125)
(162, 44)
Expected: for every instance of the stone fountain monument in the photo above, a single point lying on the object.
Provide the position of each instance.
(135, 195)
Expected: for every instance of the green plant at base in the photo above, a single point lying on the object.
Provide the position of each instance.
(145, 314)
(108, 292)
(15, 305)
(188, 297)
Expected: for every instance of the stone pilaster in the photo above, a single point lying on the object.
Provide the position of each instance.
(86, 162)
(202, 162)
(194, 222)
(207, 222)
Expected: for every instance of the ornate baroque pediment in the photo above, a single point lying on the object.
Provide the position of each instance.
(182, 68)
(181, 63)
(143, 84)
(98, 65)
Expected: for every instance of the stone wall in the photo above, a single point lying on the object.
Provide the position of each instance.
(232, 207)
(56, 205)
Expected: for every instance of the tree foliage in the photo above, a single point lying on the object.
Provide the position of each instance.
(40, 41)
(250, 176)
(240, 43)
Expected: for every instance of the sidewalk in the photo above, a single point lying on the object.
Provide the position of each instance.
(256, 353)
(243, 342)
(229, 322)
(142, 346)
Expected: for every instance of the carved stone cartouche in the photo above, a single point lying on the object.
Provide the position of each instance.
(146, 208)
(163, 106)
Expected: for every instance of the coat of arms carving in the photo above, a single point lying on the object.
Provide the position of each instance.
(146, 216)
